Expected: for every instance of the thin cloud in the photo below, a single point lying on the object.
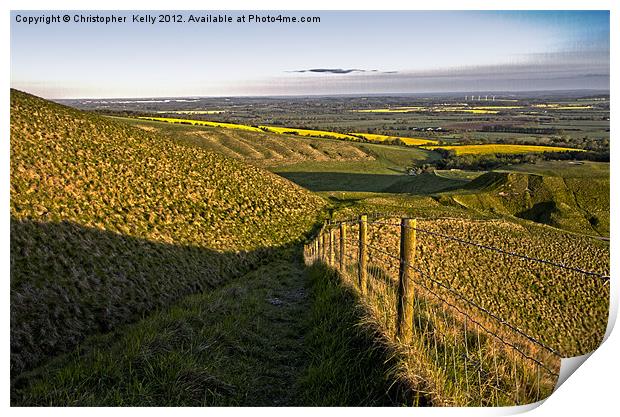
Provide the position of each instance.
(338, 71)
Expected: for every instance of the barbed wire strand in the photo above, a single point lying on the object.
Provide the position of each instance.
(491, 333)
(484, 310)
(518, 255)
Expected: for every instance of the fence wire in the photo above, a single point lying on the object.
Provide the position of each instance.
(482, 348)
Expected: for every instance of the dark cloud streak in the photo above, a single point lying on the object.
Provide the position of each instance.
(339, 71)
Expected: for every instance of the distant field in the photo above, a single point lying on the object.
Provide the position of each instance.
(203, 123)
(293, 131)
(408, 141)
(564, 169)
(499, 149)
(307, 132)
(272, 129)
(192, 111)
(473, 110)
(556, 106)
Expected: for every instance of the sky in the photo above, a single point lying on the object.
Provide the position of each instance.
(347, 52)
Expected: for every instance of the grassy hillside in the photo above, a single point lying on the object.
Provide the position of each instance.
(561, 307)
(579, 204)
(235, 345)
(263, 339)
(319, 164)
(258, 147)
(565, 309)
(109, 222)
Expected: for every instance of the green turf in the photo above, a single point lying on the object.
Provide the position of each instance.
(570, 202)
(387, 169)
(281, 335)
(109, 222)
(241, 344)
(564, 169)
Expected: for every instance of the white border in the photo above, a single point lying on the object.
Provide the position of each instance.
(593, 388)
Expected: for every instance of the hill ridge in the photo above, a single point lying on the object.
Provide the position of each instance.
(109, 222)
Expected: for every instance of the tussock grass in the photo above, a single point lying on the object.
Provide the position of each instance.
(456, 357)
(351, 360)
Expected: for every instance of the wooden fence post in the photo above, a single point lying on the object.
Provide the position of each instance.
(325, 243)
(316, 249)
(404, 321)
(363, 254)
(343, 245)
(332, 252)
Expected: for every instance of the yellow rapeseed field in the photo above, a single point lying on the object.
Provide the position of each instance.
(272, 129)
(500, 149)
(408, 141)
(203, 123)
(193, 111)
(307, 132)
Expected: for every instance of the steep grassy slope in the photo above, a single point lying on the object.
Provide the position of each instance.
(579, 204)
(259, 148)
(319, 164)
(109, 222)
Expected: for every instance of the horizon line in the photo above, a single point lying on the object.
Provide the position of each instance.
(386, 94)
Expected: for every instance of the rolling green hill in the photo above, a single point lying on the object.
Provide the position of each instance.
(318, 164)
(260, 148)
(109, 222)
(578, 204)
(154, 264)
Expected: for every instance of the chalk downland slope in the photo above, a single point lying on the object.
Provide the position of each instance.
(265, 149)
(575, 204)
(109, 222)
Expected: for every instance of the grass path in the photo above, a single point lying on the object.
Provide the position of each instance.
(241, 344)
(280, 335)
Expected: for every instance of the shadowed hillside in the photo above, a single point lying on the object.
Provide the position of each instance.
(109, 222)
(575, 204)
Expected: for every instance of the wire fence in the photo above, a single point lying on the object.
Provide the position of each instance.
(472, 312)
